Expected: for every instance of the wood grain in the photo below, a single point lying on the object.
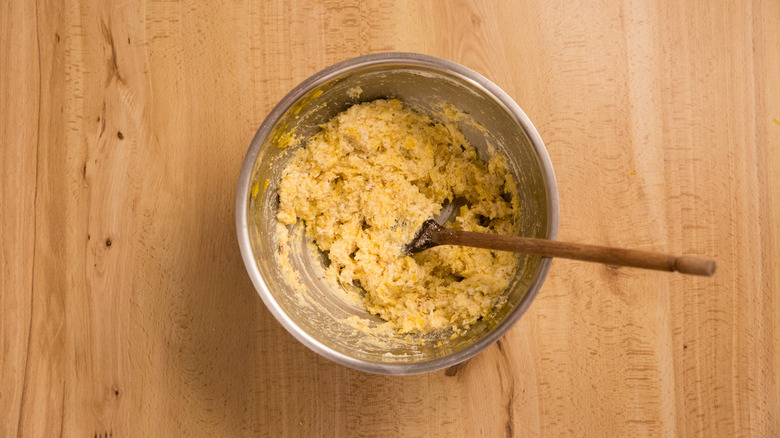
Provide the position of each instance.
(126, 310)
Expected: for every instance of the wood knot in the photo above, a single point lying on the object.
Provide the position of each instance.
(120, 135)
(108, 242)
(455, 369)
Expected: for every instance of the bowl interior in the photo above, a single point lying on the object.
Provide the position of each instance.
(318, 313)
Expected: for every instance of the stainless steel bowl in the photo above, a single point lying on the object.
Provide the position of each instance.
(316, 317)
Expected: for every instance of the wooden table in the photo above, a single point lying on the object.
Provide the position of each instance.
(127, 311)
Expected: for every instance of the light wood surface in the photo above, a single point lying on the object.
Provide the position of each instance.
(126, 310)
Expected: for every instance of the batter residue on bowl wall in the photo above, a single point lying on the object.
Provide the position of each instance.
(365, 184)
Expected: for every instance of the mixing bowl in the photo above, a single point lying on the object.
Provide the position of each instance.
(316, 314)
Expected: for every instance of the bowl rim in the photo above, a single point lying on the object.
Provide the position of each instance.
(390, 58)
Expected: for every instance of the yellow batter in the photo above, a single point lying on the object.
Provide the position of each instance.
(365, 184)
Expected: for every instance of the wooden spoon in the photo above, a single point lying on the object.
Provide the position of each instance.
(432, 234)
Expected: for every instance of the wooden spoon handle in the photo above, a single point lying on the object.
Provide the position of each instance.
(577, 251)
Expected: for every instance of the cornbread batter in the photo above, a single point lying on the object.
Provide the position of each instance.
(365, 184)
